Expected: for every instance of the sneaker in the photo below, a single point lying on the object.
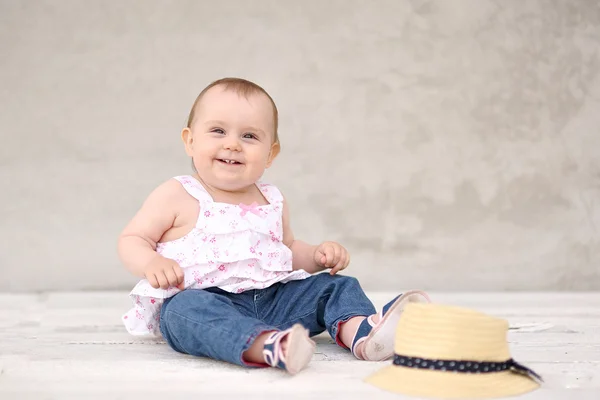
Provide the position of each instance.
(378, 338)
(299, 349)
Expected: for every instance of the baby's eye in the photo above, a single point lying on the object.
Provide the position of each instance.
(249, 136)
(218, 130)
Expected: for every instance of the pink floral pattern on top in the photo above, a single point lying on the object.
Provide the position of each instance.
(233, 247)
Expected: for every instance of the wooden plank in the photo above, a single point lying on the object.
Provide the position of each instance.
(73, 345)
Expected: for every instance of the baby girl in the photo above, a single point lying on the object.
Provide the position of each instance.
(223, 275)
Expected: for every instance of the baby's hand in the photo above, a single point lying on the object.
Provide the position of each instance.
(164, 273)
(332, 255)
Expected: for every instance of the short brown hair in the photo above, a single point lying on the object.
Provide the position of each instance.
(244, 88)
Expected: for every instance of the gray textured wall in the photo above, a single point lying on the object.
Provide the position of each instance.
(447, 144)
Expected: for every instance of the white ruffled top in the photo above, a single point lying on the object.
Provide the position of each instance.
(232, 247)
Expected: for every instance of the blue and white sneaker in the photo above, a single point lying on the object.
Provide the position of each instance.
(378, 338)
(299, 349)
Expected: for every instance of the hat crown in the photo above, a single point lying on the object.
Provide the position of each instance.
(442, 332)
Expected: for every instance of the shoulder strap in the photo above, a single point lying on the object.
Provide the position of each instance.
(271, 193)
(194, 188)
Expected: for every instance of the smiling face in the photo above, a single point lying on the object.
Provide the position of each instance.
(231, 139)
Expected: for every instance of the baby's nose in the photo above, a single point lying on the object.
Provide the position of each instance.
(232, 143)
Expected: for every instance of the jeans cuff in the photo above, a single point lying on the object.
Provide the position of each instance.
(335, 328)
(249, 343)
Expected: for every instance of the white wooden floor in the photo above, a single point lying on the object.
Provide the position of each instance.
(73, 346)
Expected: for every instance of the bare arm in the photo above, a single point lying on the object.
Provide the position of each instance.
(137, 243)
(303, 254)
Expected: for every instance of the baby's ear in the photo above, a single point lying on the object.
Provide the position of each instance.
(275, 147)
(188, 140)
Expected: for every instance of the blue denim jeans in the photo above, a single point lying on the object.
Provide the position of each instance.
(222, 326)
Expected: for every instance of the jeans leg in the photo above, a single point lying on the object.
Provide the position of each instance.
(321, 302)
(206, 324)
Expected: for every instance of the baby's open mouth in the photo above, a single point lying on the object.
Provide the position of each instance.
(226, 161)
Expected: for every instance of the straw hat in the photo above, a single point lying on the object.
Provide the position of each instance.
(451, 352)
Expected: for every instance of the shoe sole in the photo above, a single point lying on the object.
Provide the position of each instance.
(379, 344)
(300, 349)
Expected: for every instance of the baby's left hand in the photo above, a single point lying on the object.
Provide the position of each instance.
(332, 255)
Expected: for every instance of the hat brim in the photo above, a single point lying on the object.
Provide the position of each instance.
(448, 385)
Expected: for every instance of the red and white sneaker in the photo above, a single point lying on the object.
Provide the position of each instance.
(299, 349)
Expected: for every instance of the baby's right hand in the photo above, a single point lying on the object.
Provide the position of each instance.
(164, 273)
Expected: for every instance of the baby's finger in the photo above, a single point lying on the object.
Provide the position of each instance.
(153, 281)
(340, 265)
(171, 277)
(179, 273)
(162, 280)
(335, 270)
(344, 258)
(330, 252)
(337, 255)
(320, 256)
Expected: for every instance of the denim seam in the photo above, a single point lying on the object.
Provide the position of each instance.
(255, 301)
(259, 293)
